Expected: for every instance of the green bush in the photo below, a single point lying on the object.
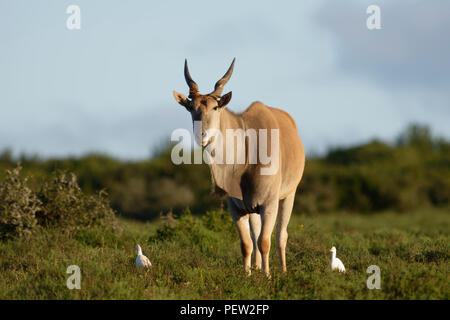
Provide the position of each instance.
(18, 206)
(176, 227)
(219, 220)
(144, 198)
(191, 228)
(58, 204)
(66, 207)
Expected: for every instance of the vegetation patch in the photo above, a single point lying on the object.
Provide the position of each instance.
(203, 260)
(58, 204)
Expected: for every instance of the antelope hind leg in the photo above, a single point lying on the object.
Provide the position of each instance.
(284, 214)
(269, 216)
(255, 227)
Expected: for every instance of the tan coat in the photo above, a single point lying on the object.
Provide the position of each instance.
(256, 202)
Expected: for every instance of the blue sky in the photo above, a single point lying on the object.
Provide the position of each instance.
(107, 87)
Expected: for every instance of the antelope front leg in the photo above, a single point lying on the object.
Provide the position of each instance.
(243, 226)
(269, 217)
(255, 227)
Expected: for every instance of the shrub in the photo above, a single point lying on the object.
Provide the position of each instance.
(66, 207)
(188, 226)
(18, 206)
(59, 204)
(144, 198)
(219, 220)
(182, 225)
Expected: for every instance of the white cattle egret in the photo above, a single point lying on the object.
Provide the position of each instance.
(141, 260)
(336, 263)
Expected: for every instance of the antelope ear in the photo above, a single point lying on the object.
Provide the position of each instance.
(180, 98)
(225, 99)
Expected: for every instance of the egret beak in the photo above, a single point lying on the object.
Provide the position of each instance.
(331, 250)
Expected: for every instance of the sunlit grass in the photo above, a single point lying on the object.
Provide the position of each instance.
(201, 259)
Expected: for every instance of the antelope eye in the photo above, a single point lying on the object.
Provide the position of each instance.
(216, 108)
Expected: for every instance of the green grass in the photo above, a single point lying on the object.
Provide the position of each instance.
(201, 259)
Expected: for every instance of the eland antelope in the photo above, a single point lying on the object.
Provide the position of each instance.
(256, 201)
